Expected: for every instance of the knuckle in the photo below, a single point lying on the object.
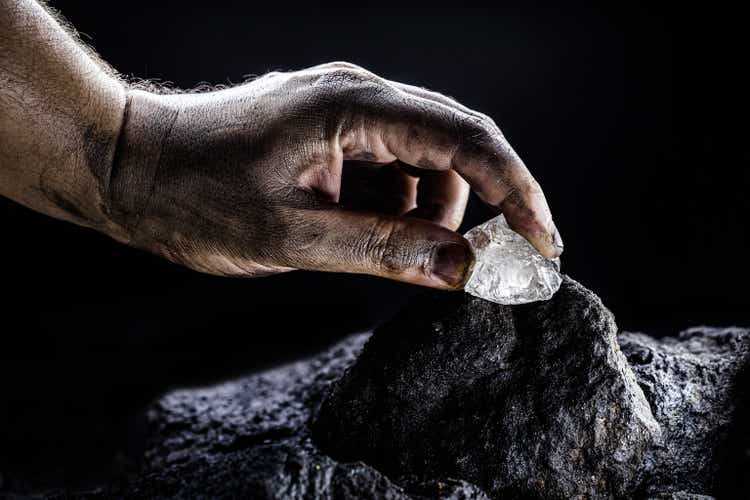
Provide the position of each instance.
(341, 64)
(343, 77)
(487, 121)
(350, 85)
(439, 97)
(475, 133)
(480, 138)
(381, 247)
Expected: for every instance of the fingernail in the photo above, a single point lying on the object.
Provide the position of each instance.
(451, 263)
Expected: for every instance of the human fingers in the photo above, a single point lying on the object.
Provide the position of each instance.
(388, 123)
(401, 248)
(441, 198)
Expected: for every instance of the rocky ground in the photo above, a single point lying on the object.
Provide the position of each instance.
(461, 398)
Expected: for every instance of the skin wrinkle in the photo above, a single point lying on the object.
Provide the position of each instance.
(107, 192)
(95, 146)
(152, 184)
(246, 180)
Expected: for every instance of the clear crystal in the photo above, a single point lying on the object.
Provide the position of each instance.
(508, 269)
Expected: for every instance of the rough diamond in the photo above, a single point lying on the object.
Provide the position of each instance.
(508, 269)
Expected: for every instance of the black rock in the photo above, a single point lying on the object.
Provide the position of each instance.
(536, 400)
(696, 385)
(250, 439)
(458, 398)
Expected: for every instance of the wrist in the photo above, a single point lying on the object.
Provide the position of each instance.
(146, 125)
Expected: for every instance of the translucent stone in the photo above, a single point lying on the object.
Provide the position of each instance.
(508, 269)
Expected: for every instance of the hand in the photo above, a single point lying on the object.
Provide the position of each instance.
(248, 180)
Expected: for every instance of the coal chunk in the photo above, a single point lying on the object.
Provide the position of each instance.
(528, 401)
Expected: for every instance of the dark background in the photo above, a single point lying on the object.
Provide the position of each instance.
(630, 120)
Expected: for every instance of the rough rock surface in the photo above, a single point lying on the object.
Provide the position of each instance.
(543, 388)
(250, 439)
(536, 400)
(696, 384)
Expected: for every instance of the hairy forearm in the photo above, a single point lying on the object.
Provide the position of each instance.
(61, 111)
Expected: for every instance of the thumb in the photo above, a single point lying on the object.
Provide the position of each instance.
(399, 248)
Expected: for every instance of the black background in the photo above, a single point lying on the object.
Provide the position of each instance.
(630, 120)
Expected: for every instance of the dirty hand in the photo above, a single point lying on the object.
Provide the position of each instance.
(247, 181)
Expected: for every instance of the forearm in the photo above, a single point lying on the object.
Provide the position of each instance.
(60, 115)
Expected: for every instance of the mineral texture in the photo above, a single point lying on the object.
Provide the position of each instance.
(460, 398)
(508, 269)
(696, 385)
(538, 400)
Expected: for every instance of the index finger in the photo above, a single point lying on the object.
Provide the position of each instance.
(499, 176)
(431, 133)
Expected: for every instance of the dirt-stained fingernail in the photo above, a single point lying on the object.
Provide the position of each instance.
(451, 263)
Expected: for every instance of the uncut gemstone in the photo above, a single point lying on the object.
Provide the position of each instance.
(508, 270)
